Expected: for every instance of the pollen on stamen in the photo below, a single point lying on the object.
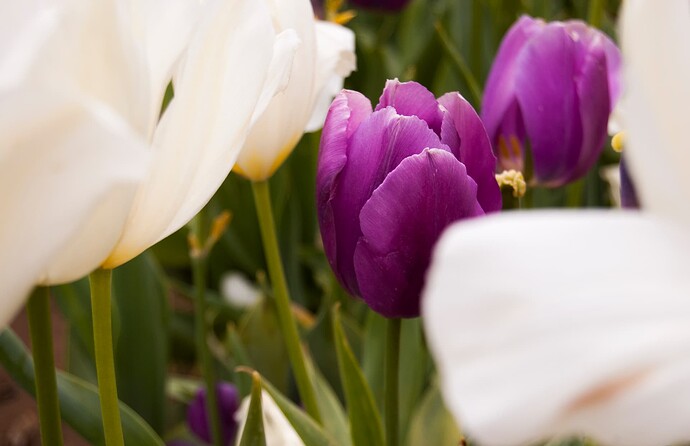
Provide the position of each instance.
(618, 141)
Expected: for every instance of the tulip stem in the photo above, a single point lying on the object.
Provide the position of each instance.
(199, 257)
(391, 365)
(101, 310)
(288, 325)
(595, 14)
(40, 326)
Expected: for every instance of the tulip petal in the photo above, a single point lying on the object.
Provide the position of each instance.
(462, 130)
(656, 46)
(549, 103)
(335, 60)
(64, 168)
(500, 86)
(412, 99)
(278, 130)
(400, 224)
(558, 323)
(378, 145)
(345, 115)
(203, 129)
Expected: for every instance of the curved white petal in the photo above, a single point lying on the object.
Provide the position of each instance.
(656, 49)
(276, 132)
(563, 323)
(62, 167)
(335, 60)
(197, 141)
(277, 428)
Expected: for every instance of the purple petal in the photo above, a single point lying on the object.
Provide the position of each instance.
(377, 147)
(400, 224)
(228, 403)
(412, 99)
(549, 103)
(499, 93)
(628, 193)
(592, 88)
(464, 133)
(345, 115)
(386, 5)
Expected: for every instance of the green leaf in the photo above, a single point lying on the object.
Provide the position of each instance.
(373, 349)
(253, 432)
(307, 429)
(141, 350)
(366, 427)
(414, 363)
(79, 402)
(432, 423)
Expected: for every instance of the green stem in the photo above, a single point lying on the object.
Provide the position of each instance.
(595, 14)
(282, 298)
(460, 62)
(391, 361)
(40, 326)
(199, 228)
(101, 283)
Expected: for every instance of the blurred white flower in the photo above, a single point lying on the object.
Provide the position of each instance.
(557, 323)
(325, 56)
(237, 290)
(277, 428)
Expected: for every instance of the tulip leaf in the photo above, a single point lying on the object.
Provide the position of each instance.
(373, 350)
(432, 423)
(414, 364)
(311, 433)
(79, 402)
(366, 427)
(253, 433)
(141, 350)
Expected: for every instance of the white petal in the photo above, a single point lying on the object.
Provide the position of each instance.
(238, 291)
(559, 323)
(203, 129)
(335, 60)
(656, 49)
(276, 132)
(612, 175)
(164, 28)
(277, 428)
(62, 169)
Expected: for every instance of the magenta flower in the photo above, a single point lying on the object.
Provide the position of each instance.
(382, 5)
(228, 403)
(554, 85)
(390, 180)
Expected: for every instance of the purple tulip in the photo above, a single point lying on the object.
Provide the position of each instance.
(553, 84)
(390, 180)
(382, 5)
(228, 402)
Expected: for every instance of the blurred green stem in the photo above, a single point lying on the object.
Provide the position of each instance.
(101, 283)
(288, 325)
(391, 362)
(476, 47)
(40, 326)
(595, 14)
(459, 62)
(199, 256)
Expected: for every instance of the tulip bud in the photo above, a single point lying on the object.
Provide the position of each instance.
(390, 180)
(551, 88)
(228, 403)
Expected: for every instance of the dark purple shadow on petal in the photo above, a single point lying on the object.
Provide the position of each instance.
(228, 403)
(464, 133)
(592, 86)
(412, 99)
(499, 93)
(628, 193)
(345, 115)
(377, 147)
(400, 224)
(384, 5)
(549, 103)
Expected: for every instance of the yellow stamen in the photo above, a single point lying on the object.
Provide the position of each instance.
(333, 13)
(618, 141)
(513, 179)
(220, 224)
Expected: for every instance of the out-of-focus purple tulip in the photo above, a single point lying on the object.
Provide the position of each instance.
(554, 85)
(390, 180)
(383, 5)
(228, 402)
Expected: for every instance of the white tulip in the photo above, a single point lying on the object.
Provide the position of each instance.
(325, 56)
(578, 323)
(277, 429)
